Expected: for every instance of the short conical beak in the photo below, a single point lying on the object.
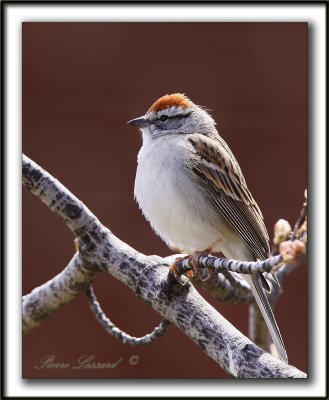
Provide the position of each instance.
(140, 122)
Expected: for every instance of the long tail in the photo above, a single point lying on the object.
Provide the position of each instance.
(265, 308)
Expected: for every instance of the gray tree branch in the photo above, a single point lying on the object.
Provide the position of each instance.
(44, 300)
(147, 276)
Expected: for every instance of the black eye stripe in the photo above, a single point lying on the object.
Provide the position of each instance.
(167, 117)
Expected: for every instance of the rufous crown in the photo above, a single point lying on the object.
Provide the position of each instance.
(171, 100)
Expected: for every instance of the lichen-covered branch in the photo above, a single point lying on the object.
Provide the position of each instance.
(147, 276)
(60, 200)
(44, 300)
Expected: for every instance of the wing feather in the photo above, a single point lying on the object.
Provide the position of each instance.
(217, 170)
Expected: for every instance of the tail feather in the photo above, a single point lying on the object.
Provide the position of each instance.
(265, 308)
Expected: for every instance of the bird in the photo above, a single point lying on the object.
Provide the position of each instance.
(191, 189)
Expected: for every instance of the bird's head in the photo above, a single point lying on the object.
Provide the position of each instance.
(174, 114)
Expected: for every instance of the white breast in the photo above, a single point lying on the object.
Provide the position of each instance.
(170, 199)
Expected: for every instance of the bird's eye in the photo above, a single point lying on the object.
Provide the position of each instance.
(163, 118)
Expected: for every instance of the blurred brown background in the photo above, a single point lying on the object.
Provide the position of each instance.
(81, 83)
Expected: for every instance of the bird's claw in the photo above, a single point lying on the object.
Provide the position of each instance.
(202, 274)
(178, 275)
(193, 259)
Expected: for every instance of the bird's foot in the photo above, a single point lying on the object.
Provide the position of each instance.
(177, 270)
(199, 272)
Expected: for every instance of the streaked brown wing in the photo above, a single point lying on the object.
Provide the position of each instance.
(219, 172)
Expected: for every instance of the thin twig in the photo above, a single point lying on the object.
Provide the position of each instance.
(114, 331)
(223, 264)
(301, 219)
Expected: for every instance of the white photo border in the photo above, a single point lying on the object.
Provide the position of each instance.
(13, 15)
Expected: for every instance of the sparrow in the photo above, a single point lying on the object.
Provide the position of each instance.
(191, 189)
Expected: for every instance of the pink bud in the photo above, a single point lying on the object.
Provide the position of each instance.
(291, 250)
